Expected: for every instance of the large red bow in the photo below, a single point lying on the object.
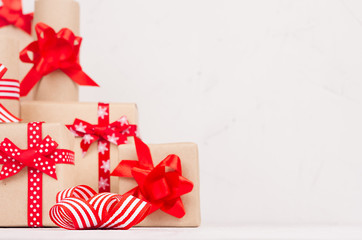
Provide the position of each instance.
(162, 185)
(116, 132)
(41, 157)
(53, 51)
(11, 13)
(81, 207)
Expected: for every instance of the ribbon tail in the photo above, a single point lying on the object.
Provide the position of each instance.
(124, 168)
(29, 81)
(24, 23)
(174, 208)
(78, 76)
(143, 154)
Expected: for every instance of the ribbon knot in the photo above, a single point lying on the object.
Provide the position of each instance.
(53, 51)
(161, 185)
(11, 13)
(101, 131)
(41, 157)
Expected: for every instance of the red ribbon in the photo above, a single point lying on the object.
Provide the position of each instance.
(105, 133)
(11, 13)
(81, 207)
(9, 88)
(40, 157)
(51, 52)
(162, 185)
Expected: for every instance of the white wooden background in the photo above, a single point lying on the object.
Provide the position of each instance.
(270, 90)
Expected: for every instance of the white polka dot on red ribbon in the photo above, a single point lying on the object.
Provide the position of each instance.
(34, 179)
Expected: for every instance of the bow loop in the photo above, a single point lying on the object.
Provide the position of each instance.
(11, 13)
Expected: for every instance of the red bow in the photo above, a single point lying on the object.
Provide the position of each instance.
(41, 157)
(116, 132)
(53, 51)
(11, 13)
(81, 207)
(162, 185)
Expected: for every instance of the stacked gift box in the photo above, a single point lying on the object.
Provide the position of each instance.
(61, 143)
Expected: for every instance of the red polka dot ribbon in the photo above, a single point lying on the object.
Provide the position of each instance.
(81, 207)
(41, 157)
(105, 133)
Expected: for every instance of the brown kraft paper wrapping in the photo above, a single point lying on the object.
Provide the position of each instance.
(14, 190)
(87, 166)
(58, 14)
(188, 153)
(12, 41)
(9, 57)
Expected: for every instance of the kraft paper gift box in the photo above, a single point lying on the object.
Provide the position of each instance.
(57, 14)
(188, 154)
(87, 166)
(14, 189)
(14, 36)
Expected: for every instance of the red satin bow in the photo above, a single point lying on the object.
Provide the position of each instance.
(11, 13)
(116, 132)
(162, 185)
(53, 51)
(41, 157)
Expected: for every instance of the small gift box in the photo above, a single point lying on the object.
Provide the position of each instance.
(36, 161)
(15, 28)
(96, 145)
(166, 176)
(62, 20)
(9, 98)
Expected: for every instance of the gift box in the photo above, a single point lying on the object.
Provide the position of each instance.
(36, 162)
(174, 190)
(9, 98)
(89, 166)
(56, 71)
(15, 28)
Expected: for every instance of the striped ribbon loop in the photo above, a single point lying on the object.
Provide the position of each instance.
(6, 116)
(9, 88)
(81, 207)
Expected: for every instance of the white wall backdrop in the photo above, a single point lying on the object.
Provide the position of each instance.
(270, 90)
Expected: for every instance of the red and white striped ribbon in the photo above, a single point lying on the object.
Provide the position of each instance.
(9, 88)
(6, 116)
(81, 207)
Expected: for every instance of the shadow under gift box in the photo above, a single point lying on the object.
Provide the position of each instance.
(87, 166)
(188, 153)
(14, 190)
